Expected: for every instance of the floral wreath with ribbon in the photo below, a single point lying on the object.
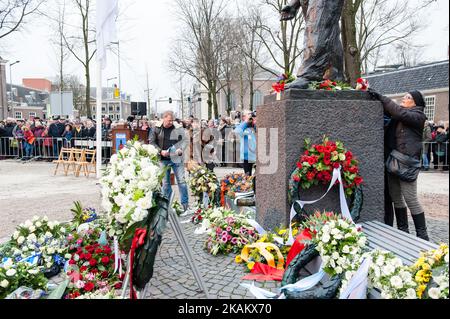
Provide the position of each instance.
(318, 165)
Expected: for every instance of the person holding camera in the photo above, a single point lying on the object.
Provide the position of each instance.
(247, 134)
(404, 139)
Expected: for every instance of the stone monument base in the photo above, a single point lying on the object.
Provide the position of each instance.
(349, 116)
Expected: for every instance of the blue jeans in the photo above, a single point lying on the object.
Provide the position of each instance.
(178, 170)
(28, 149)
(426, 162)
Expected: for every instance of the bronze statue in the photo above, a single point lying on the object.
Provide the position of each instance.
(323, 52)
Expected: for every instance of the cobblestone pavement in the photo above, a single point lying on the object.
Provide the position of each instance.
(174, 279)
(25, 189)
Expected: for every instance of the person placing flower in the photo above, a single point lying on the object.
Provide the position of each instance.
(404, 140)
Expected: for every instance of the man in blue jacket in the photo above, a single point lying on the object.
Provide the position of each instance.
(246, 131)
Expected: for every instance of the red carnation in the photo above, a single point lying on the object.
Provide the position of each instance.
(336, 165)
(299, 165)
(105, 274)
(200, 217)
(98, 251)
(81, 255)
(349, 156)
(358, 180)
(94, 271)
(88, 256)
(310, 176)
(320, 148)
(296, 179)
(107, 250)
(327, 159)
(72, 262)
(353, 170)
(306, 152)
(83, 268)
(93, 262)
(105, 260)
(89, 286)
(118, 285)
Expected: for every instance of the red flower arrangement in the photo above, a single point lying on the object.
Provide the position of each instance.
(198, 217)
(280, 85)
(362, 84)
(95, 270)
(317, 163)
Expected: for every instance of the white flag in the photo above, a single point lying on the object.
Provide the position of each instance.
(107, 11)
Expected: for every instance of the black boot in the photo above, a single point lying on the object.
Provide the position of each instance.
(421, 226)
(389, 218)
(401, 214)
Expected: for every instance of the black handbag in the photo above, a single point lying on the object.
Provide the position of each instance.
(405, 167)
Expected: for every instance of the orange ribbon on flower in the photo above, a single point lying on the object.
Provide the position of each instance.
(262, 248)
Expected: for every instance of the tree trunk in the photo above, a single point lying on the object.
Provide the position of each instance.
(352, 56)
(88, 94)
(252, 93)
(215, 103)
(229, 102)
(209, 102)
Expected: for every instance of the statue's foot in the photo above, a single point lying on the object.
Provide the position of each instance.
(300, 84)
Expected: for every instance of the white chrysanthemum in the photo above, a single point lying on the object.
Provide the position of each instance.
(335, 231)
(338, 270)
(28, 224)
(326, 238)
(446, 258)
(16, 235)
(346, 249)
(380, 260)
(119, 199)
(107, 205)
(397, 262)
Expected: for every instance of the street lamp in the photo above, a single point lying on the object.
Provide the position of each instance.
(107, 81)
(120, 80)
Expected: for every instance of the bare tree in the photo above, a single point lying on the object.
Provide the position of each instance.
(252, 49)
(197, 52)
(283, 44)
(382, 23)
(13, 14)
(80, 45)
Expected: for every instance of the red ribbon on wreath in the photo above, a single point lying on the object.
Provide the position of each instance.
(138, 240)
(278, 87)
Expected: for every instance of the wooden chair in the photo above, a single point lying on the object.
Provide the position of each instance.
(88, 166)
(77, 157)
(64, 157)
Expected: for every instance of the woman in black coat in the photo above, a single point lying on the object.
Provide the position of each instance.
(404, 135)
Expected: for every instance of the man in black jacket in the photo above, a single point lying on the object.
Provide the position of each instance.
(170, 140)
(55, 131)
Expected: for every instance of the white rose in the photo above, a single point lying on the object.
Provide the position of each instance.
(338, 236)
(326, 238)
(388, 269)
(434, 293)
(33, 271)
(446, 258)
(16, 235)
(411, 294)
(45, 219)
(4, 283)
(362, 241)
(32, 229)
(50, 251)
(76, 257)
(25, 249)
(348, 275)
(335, 231)
(114, 159)
(346, 250)
(35, 218)
(397, 262)
(396, 282)
(380, 260)
(48, 235)
(38, 224)
(119, 199)
(62, 230)
(20, 240)
(28, 224)
(9, 263)
(338, 270)
(32, 238)
(11, 272)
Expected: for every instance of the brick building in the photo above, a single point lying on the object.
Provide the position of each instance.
(431, 79)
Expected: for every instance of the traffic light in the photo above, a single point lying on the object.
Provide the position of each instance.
(170, 100)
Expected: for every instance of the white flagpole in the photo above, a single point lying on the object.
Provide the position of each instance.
(98, 117)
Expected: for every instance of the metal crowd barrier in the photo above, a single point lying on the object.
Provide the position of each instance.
(435, 154)
(46, 148)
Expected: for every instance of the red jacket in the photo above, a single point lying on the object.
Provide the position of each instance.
(29, 136)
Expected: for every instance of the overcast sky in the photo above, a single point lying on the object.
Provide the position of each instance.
(146, 30)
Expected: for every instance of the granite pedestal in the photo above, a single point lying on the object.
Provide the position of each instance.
(349, 116)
